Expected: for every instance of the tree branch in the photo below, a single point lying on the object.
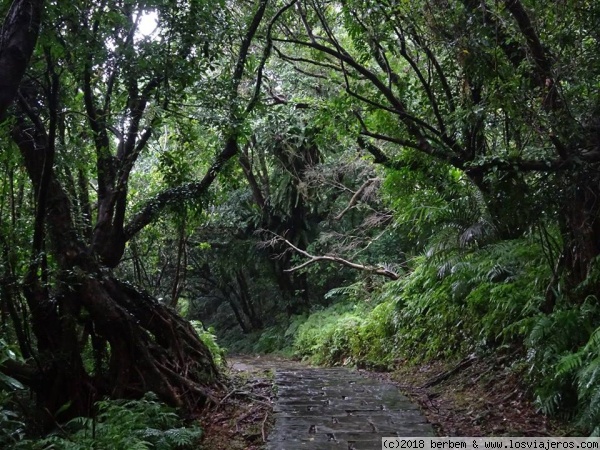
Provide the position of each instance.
(533, 42)
(194, 190)
(415, 126)
(178, 194)
(331, 258)
(24, 373)
(265, 57)
(355, 198)
(521, 165)
(540, 58)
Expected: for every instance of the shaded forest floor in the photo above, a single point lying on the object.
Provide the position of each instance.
(244, 417)
(475, 397)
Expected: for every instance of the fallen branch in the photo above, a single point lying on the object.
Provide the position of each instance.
(262, 428)
(463, 364)
(226, 397)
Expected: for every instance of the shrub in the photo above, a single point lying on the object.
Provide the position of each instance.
(325, 337)
(446, 307)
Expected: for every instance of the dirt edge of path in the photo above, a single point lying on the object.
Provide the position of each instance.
(474, 397)
(244, 417)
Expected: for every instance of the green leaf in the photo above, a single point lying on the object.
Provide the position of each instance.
(11, 382)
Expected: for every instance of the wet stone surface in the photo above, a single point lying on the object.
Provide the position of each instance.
(321, 409)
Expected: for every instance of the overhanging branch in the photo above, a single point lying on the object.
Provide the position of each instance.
(375, 270)
(195, 190)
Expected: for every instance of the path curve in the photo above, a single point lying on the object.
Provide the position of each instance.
(337, 408)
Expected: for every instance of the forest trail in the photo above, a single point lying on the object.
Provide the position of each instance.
(336, 408)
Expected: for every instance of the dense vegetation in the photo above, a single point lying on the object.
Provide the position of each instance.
(370, 183)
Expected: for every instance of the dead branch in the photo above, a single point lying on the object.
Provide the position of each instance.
(463, 364)
(375, 270)
(356, 197)
(262, 428)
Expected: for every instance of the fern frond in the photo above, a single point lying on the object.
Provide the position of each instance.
(593, 344)
(549, 405)
(350, 290)
(569, 364)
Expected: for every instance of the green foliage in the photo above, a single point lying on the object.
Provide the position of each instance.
(12, 424)
(208, 337)
(453, 306)
(276, 339)
(123, 425)
(456, 102)
(271, 340)
(376, 342)
(442, 309)
(564, 352)
(327, 336)
(8, 382)
(435, 206)
(352, 331)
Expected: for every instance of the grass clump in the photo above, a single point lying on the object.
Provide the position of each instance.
(347, 333)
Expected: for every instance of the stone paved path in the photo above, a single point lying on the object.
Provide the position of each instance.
(321, 409)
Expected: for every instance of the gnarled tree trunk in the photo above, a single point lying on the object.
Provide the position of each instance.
(95, 334)
(137, 344)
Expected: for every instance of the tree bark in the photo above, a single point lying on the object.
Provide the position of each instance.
(17, 42)
(148, 347)
(581, 226)
(139, 344)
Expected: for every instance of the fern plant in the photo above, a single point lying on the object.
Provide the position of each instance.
(468, 299)
(123, 425)
(12, 424)
(564, 350)
(208, 337)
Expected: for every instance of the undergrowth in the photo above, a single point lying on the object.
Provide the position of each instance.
(117, 424)
(444, 308)
(460, 303)
(208, 338)
(122, 425)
